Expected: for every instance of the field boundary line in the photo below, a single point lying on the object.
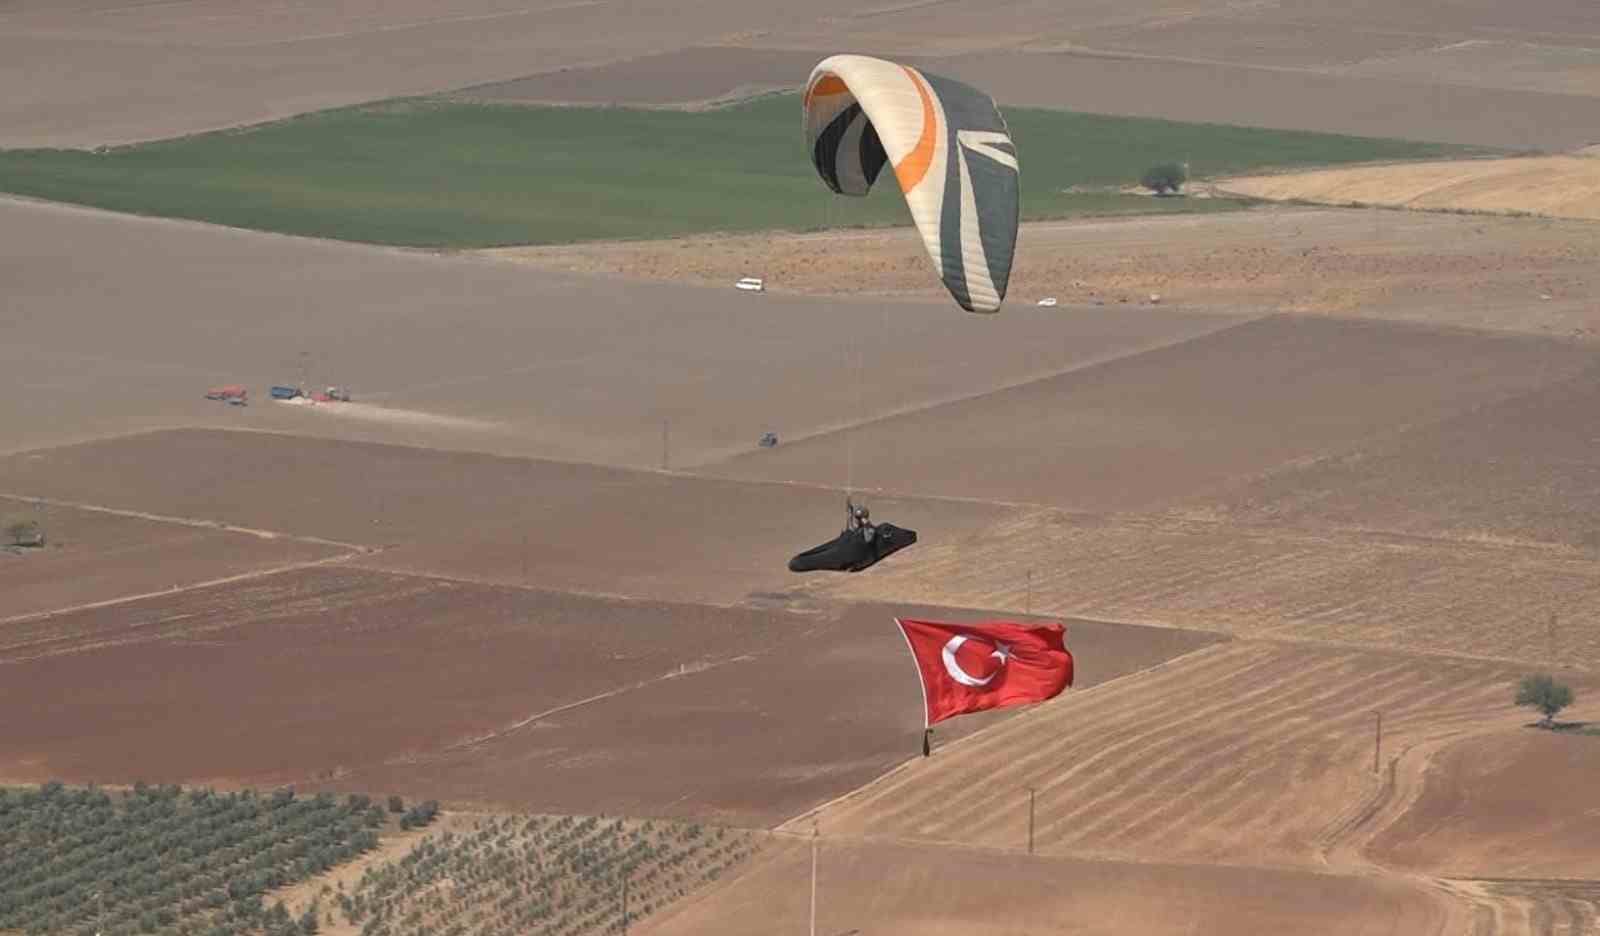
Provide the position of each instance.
(685, 669)
(178, 590)
(926, 406)
(788, 825)
(354, 548)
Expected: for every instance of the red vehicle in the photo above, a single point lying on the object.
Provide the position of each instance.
(228, 392)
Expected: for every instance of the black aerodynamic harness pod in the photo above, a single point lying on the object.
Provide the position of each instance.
(852, 552)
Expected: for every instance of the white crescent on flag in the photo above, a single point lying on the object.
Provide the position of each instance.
(953, 667)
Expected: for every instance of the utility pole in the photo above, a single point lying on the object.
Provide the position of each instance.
(665, 430)
(1551, 636)
(524, 557)
(1377, 739)
(813, 877)
(1031, 792)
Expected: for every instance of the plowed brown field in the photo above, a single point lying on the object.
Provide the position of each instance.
(350, 679)
(1525, 469)
(95, 556)
(1143, 429)
(480, 517)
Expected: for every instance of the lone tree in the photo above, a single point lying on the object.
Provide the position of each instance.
(1165, 179)
(1545, 694)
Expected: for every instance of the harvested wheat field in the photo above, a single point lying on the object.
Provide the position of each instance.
(1247, 753)
(1515, 907)
(1476, 599)
(1556, 186)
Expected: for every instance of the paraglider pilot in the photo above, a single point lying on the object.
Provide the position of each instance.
(859, 520)
(859, 546)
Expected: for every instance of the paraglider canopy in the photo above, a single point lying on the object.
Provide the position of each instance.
(951, 153)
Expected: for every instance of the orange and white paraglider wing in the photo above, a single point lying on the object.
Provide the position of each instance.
(951, 153)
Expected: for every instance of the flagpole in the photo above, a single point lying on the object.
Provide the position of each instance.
(813, 878)
(1030, 820)
(927, 729)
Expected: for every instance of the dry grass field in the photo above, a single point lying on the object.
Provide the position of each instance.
(1485, 273)
(1553, 186)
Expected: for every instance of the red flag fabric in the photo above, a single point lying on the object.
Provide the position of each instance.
(987, 664)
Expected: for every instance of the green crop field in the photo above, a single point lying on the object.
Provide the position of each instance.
(431, 173)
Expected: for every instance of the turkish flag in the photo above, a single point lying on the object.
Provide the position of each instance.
(987, 664)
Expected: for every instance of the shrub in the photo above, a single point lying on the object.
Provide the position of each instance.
(1165, 179)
